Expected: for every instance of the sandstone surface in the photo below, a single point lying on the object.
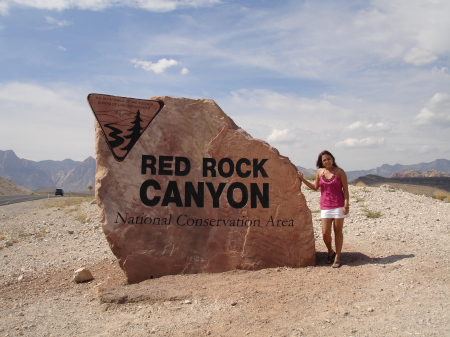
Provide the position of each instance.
(164, 213)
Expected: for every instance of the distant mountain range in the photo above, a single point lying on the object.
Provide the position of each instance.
(76, 176)
(436, 168)
(70, 175)
(442, 165)
(416, 174)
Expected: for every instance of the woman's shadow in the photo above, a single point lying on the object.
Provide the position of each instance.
(358, 259)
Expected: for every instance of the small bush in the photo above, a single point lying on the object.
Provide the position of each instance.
(441, 195)
(81, 218)
(372, 214)
(359, 199)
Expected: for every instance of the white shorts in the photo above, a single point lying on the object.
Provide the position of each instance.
(335, 213)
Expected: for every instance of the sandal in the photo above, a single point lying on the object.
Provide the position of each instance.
(337, 264)
(330, 258)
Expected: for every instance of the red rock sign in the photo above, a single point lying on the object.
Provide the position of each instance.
(196, 193)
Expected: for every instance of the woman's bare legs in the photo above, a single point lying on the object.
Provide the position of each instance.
(338, 237)
(326, 234)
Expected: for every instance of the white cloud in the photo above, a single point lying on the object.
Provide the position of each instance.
(368, 142)
(61, 48)
(287, 106)
(318, 40)
(157, 68)
(40, 122)
(377, 127)
(281, 136)
(372, 127)
(442, 71)
(59, 23)
(425, 116)
(184, 71)
(419, 56)
(328, 96)
(436, 112)
(4, 8)
(150, 5)
(355, 126)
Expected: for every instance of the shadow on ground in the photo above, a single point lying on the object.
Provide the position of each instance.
(359, 259)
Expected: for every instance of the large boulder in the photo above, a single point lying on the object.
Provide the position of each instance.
(195, 193)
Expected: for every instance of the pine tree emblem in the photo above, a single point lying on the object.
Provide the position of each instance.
(123, 120)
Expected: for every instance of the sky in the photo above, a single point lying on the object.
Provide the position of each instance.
(368, 80)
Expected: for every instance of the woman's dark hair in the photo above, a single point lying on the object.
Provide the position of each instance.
(319, 163)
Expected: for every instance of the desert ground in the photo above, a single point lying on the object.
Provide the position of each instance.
(394, 280)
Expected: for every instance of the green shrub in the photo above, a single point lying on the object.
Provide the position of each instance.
(372, 214)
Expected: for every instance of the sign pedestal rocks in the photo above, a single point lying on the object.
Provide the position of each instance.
(194, 192)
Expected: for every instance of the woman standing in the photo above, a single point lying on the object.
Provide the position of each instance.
(334, 206)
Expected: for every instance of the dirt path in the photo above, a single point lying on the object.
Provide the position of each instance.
(394, 281)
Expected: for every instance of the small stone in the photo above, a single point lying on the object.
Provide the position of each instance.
(70, 232)
(82, 275)
(370, 309)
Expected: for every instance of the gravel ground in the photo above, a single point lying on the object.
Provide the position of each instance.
(393, 282)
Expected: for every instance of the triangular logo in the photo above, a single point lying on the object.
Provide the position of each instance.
(123, 120)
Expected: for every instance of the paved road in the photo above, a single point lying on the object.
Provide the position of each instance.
(12, 199)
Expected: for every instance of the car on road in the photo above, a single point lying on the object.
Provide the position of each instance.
(59, 192)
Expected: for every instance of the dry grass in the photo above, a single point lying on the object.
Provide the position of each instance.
(81, 218)
(442, 195)
(372, 214)
(66, 202)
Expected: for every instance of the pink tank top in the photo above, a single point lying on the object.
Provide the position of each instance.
(331, 192)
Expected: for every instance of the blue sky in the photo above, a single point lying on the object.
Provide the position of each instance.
(366, 80)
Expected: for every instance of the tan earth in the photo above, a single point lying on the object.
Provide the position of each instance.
(7, 187)
(394, 280)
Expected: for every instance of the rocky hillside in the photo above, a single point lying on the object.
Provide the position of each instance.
(67, 174)
(437, 168)
(442, 165)
(7, 187)
(417, 174)
(441, 183)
